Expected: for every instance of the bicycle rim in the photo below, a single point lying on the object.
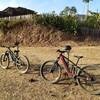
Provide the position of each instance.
(51, 71)
(90, 79)
(4, 61)
(22, 64)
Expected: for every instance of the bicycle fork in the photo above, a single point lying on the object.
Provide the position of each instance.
(6, 55)
(54, 66)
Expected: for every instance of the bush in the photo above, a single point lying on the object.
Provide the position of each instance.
(64, 23)
(68, 24)
(92, 22)
(5, 25)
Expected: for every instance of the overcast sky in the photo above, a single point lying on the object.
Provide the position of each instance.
(44, 6)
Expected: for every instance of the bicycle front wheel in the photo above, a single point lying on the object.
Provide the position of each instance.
(4, 61)
(90, 79)
(51, 71)
(22, 64)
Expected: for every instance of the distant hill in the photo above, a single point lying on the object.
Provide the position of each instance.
(10, 11)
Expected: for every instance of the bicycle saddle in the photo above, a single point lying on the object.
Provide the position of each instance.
(78, 57)
(61, 51)
(67, 47)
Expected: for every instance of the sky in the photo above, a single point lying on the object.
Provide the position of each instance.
(46, 6)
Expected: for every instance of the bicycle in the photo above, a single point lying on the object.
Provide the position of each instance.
(20, 61)
(51, 72)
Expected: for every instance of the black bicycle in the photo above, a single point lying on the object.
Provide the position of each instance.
(20, 61)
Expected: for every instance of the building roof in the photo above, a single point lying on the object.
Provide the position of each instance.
(10, 11)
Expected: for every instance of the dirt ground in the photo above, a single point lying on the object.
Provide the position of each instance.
(16, 86)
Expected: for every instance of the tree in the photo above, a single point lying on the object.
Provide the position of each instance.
(87, 3)
(53, 13)
(65, 12)
(73, 10)
(68, 11)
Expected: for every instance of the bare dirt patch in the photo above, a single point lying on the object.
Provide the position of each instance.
(16, 86)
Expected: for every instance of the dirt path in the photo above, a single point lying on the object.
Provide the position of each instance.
(16, 86)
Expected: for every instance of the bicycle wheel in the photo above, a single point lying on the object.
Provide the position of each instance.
(22, 64)
(50, 71)
(4, 61)
(89, 79)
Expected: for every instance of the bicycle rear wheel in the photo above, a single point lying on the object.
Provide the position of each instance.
(50, 71)
(89, 79)
(4, 61)
(22, 64)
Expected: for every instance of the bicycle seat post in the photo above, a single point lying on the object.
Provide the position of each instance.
(68, 56)
(67, 48)
(17, 47)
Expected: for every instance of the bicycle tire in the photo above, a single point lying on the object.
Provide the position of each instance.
(4, 59)
(54, 69)
(91, 80)
(22, 64)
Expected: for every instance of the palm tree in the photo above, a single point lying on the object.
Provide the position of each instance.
(87, 2)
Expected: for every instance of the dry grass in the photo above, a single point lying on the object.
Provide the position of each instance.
(15, 86)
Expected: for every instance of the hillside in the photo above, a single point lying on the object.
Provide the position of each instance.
(31, 35)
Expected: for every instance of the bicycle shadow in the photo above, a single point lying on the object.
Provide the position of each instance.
(34, 69)
(95, 82)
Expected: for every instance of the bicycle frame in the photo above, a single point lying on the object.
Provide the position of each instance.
(74, 70)
(11, 54)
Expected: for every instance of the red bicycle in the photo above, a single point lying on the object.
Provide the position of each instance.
(86, 77)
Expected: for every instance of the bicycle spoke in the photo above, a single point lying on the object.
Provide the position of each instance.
(4, 61)
(50, 71)
(22, 64)
(90, 79)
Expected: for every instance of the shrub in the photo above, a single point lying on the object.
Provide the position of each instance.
(64, 23)
(5, 25)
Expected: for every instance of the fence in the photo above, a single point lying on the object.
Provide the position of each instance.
(89, 32)
(18, 17)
